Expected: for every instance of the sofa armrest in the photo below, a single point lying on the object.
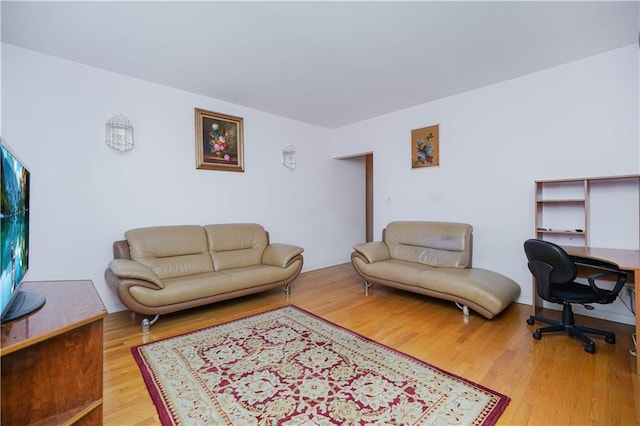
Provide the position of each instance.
(373, 251)
(279, 254)
(123, 268)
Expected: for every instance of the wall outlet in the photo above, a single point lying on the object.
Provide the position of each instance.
(630, 289)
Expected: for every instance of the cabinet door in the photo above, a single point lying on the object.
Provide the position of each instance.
(56, 381)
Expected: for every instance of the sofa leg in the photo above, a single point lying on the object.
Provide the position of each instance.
(287, 290)
(146, 324)
(367, 284)
(465, 309)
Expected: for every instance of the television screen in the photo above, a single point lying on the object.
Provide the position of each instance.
(14, 230)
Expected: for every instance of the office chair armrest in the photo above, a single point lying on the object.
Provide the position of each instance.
(620, 280)
(604, 268)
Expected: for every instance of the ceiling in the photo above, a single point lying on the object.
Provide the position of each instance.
(326, 63)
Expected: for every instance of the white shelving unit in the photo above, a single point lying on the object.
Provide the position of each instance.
(563, 207)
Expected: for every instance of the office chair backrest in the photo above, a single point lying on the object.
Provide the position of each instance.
(563, 269)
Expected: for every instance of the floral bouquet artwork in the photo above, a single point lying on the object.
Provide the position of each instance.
(219, 141)
(425, 147)
(220, 145)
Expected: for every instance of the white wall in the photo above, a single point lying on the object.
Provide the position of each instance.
(579, 119)
(85, 195)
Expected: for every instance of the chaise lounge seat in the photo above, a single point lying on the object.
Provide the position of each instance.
(434, 259)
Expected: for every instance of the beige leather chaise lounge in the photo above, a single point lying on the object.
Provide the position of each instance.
(434, 258)
(164, 269)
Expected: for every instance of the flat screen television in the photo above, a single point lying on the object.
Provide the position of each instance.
(14, 230)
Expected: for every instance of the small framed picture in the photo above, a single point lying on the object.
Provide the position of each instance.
(425, 147)
(219, 141)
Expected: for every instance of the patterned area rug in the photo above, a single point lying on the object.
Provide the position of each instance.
(290, 367)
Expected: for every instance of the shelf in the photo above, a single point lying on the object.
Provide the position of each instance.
(559, 231)
(563, 201)
(565, 204)
(72, 416)
(596, 178)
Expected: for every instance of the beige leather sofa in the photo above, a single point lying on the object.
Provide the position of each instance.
(163, 269)
(434, 258)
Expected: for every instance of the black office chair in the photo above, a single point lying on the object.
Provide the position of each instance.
(554, 272)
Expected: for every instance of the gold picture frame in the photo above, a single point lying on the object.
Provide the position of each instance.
(425, 147)
(219, 141)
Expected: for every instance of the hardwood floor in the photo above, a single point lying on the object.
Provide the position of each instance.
(551, 382)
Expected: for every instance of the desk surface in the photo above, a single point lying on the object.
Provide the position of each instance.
(625, 259)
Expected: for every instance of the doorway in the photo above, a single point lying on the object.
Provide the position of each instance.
(368, 160)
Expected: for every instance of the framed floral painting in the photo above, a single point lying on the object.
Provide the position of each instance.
(219, 141)
(425, 147)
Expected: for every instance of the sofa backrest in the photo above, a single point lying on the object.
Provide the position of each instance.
(439, 244)
(236, 245)
(171, 251)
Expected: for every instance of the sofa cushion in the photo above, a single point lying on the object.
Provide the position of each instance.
(183, 289)
(252, 276)
(489, 289)
(193, 287)
(171, 251)
(236, 245)
(438, 244)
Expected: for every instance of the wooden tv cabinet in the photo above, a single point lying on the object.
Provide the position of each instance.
(52, 359)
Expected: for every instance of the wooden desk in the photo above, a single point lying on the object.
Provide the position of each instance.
(52, 359)
(628, 260)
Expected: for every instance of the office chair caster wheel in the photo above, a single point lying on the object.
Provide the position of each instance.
(537, 334)
(531, 321)
(590, 348)
(610, 339)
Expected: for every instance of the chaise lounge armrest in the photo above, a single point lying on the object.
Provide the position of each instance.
(129, 269)
(281, 255)
(372, 252)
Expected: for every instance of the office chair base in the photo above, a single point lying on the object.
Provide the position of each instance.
(568, 325)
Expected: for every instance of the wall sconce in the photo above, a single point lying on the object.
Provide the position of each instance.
(289, 157)
(119, 133)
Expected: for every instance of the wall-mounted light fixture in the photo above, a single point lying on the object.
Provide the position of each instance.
(119, 133)
(289, 157)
